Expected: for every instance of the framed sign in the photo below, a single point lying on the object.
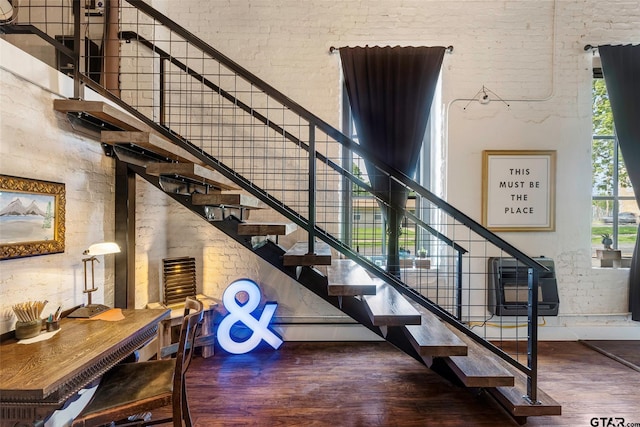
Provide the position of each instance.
(32, 217)
(518, 190)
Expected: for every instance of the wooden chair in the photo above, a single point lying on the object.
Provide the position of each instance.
(134, 388)
(178, 283)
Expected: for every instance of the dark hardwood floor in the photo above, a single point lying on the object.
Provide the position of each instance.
(374, 384)
(587, 384)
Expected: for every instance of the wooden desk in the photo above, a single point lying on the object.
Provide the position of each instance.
(37, 378)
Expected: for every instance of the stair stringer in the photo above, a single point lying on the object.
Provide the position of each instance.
(293, 216)
(309, 277)
(333, 134)
(312, 279)
(340, 138)
(352, 306)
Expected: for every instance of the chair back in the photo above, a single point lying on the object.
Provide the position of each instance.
(193, 314)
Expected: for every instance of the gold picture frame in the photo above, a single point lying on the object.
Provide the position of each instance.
(32, 217)
(518, 190)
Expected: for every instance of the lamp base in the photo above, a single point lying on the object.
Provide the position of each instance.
(89, 311)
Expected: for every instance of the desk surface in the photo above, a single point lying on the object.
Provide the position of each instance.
(49, 372)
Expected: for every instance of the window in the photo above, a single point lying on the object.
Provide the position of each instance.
(615, 212)
(360, 205)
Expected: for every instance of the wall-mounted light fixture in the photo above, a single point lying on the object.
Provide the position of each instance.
(484, 99)
(484, 96)
(94, 250)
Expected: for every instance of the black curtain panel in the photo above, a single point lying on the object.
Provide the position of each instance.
(621, 69)
(390, 90)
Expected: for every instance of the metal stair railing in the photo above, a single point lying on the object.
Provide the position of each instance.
(295, 162)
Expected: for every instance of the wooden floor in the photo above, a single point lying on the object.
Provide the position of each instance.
(374, 384)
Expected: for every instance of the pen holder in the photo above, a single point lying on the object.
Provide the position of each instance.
(28, 329)
(54, 325)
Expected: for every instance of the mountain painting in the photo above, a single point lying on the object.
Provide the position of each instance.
(26, 217)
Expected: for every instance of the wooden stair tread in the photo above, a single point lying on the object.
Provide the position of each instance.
(433, 339)
(512, 398)
(266, 228)
(150, 141)
(102, 111)
(389, 308)
(347, 278)
(298, 255)
(134, 131)
(478, 370)
(480, 367)
(192, 171)
(227, 199)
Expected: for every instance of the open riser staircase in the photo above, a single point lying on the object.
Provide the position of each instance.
(262, 169)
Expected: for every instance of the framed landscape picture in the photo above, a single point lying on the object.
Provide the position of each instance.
(32, 215)
(518, 190)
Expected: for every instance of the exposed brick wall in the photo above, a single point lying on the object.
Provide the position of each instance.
(529, 52)
(38, 143)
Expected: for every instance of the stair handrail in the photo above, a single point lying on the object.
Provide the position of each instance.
(533, 266)
(315, 122)
(325, 127)
(337, 244)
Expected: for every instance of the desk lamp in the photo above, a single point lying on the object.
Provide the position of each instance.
(7, 12)
(94, 250)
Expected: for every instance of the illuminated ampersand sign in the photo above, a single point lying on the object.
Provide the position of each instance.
(242, 313)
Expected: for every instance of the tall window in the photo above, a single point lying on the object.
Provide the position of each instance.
(367, 230)
(615, 212)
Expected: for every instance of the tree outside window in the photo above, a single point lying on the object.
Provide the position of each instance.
(615, 212)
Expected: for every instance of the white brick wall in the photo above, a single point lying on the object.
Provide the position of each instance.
(38, 143)
(529, 52)
(165, 228)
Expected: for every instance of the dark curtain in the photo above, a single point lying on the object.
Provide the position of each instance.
(390, 90)
(621, 69)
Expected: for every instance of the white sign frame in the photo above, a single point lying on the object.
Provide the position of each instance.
(518, 190)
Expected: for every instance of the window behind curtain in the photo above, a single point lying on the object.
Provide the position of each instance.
(615, 212)
(362, 208)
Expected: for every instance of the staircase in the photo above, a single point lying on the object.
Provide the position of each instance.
(342, 282)
(428, 313)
